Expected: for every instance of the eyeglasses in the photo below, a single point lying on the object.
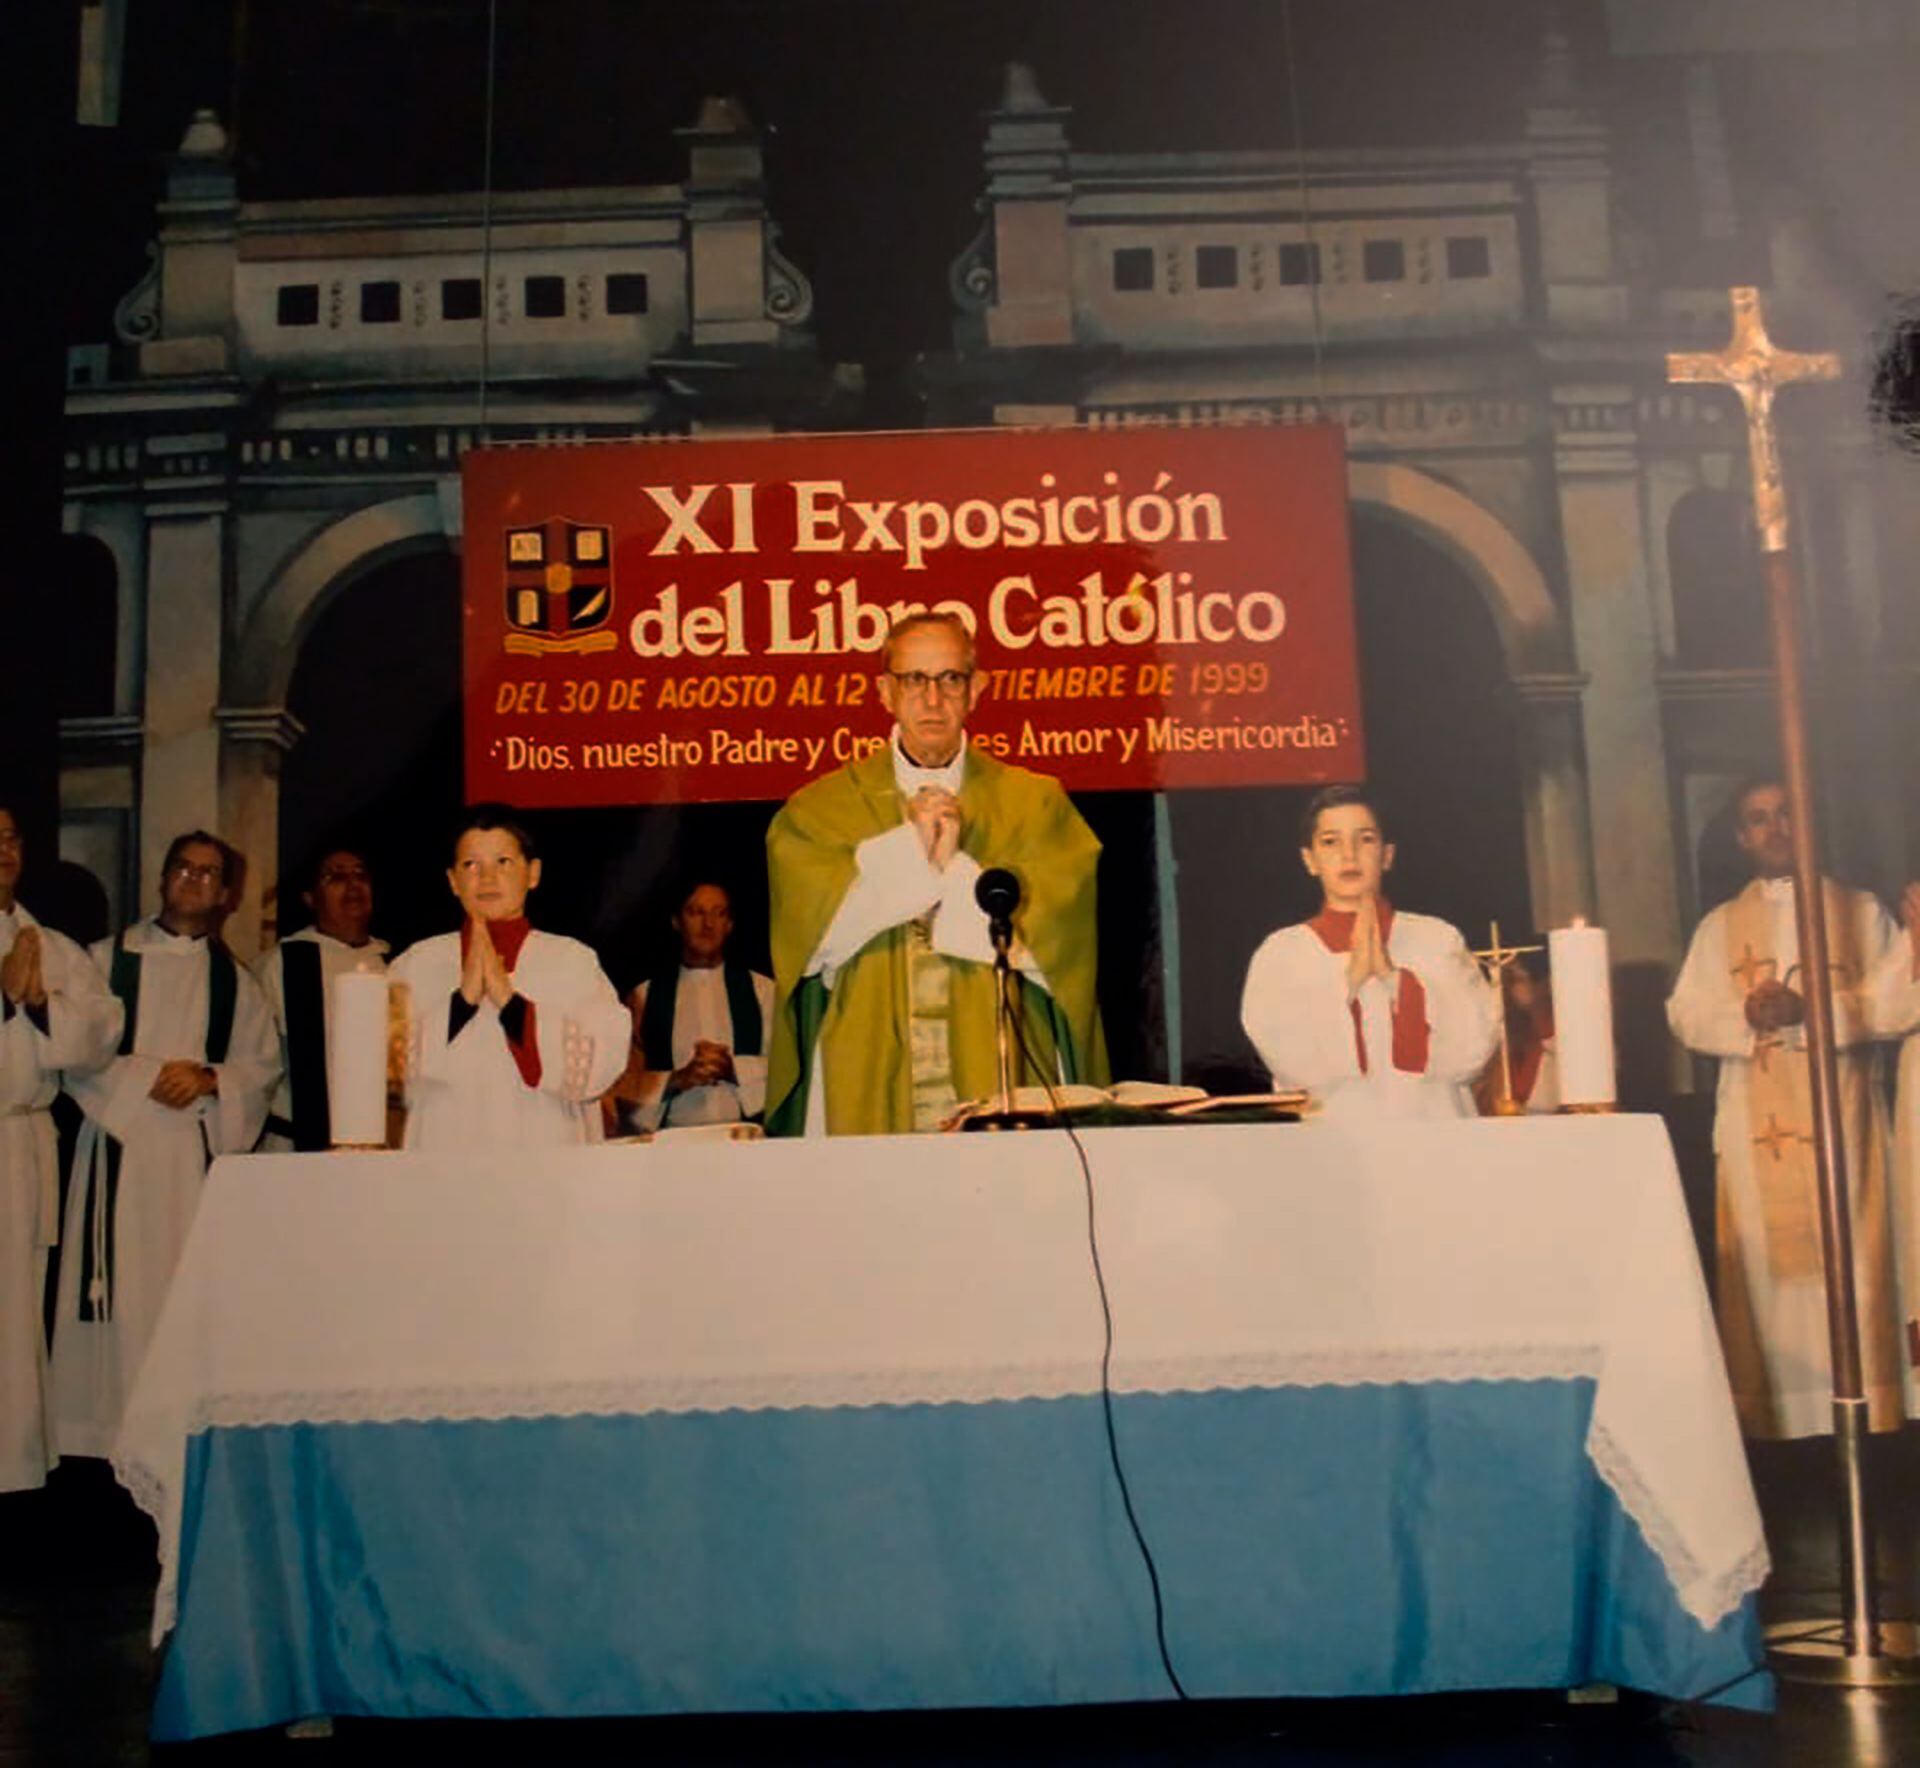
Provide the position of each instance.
(206, 874)
(950, 683)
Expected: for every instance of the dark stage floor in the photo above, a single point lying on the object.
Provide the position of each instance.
(75, 1674)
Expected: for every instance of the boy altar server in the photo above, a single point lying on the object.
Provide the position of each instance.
(196, 1066)
(56, 1012)
(513, 1034)
(1376, 1012)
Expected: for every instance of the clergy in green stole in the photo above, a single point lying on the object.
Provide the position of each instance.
(905, 1030)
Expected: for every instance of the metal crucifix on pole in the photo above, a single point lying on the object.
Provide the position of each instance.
(1756, 368)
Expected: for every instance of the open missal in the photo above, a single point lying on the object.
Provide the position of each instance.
(1139, 1101)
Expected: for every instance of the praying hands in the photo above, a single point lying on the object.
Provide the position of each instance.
(1368, 956)
(935, 815)
(22, 975)
(482, 970)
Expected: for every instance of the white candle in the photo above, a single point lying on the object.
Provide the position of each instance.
(1582, 1013)
(357, 1058)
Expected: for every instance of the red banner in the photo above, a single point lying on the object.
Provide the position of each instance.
(699, 621)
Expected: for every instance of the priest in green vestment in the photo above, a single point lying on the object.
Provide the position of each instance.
(884, 990)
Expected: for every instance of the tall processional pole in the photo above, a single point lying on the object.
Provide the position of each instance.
(1756, 368)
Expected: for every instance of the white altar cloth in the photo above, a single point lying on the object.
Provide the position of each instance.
(703, 1277)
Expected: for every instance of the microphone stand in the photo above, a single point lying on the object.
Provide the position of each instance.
(1000, 930)
(1004, 1116)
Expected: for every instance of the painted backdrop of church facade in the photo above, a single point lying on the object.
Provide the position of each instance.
(1561, 620)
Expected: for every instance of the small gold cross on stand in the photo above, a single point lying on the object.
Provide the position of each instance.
(1494, 961)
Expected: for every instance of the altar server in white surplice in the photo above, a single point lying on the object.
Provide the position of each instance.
(1376, 1012)
(55, 1013)
(297, 978)
(513, 1034)
(1741, 997)
(196, 1065)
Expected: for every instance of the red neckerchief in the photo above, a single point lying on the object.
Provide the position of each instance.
(508, 938)
(1335, 926)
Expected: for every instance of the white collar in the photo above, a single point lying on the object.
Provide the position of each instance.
(312, 935)
(160, 939)
(1778, 889)
(910, 776)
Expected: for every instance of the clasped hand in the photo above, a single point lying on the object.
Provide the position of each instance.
(1367, 957)
(483, 972)
(21, 973)
(935, 815)
(182, 1084)
(1772, 1006)
(710, 1064)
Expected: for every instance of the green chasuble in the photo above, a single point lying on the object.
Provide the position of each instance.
(861, 1029)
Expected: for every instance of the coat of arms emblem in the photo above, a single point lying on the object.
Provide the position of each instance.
(559, 589)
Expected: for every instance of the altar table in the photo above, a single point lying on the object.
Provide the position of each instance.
(734, 1427)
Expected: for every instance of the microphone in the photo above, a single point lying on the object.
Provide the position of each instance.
(997, 891)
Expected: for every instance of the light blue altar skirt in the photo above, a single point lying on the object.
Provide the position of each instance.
(1324, 1541)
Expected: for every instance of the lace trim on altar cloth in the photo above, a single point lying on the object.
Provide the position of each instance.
(1708, 1598)
(761, 1391)
(1350, 1367)
(161, 1502)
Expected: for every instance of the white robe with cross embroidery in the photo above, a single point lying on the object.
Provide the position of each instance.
(1707, 1012)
